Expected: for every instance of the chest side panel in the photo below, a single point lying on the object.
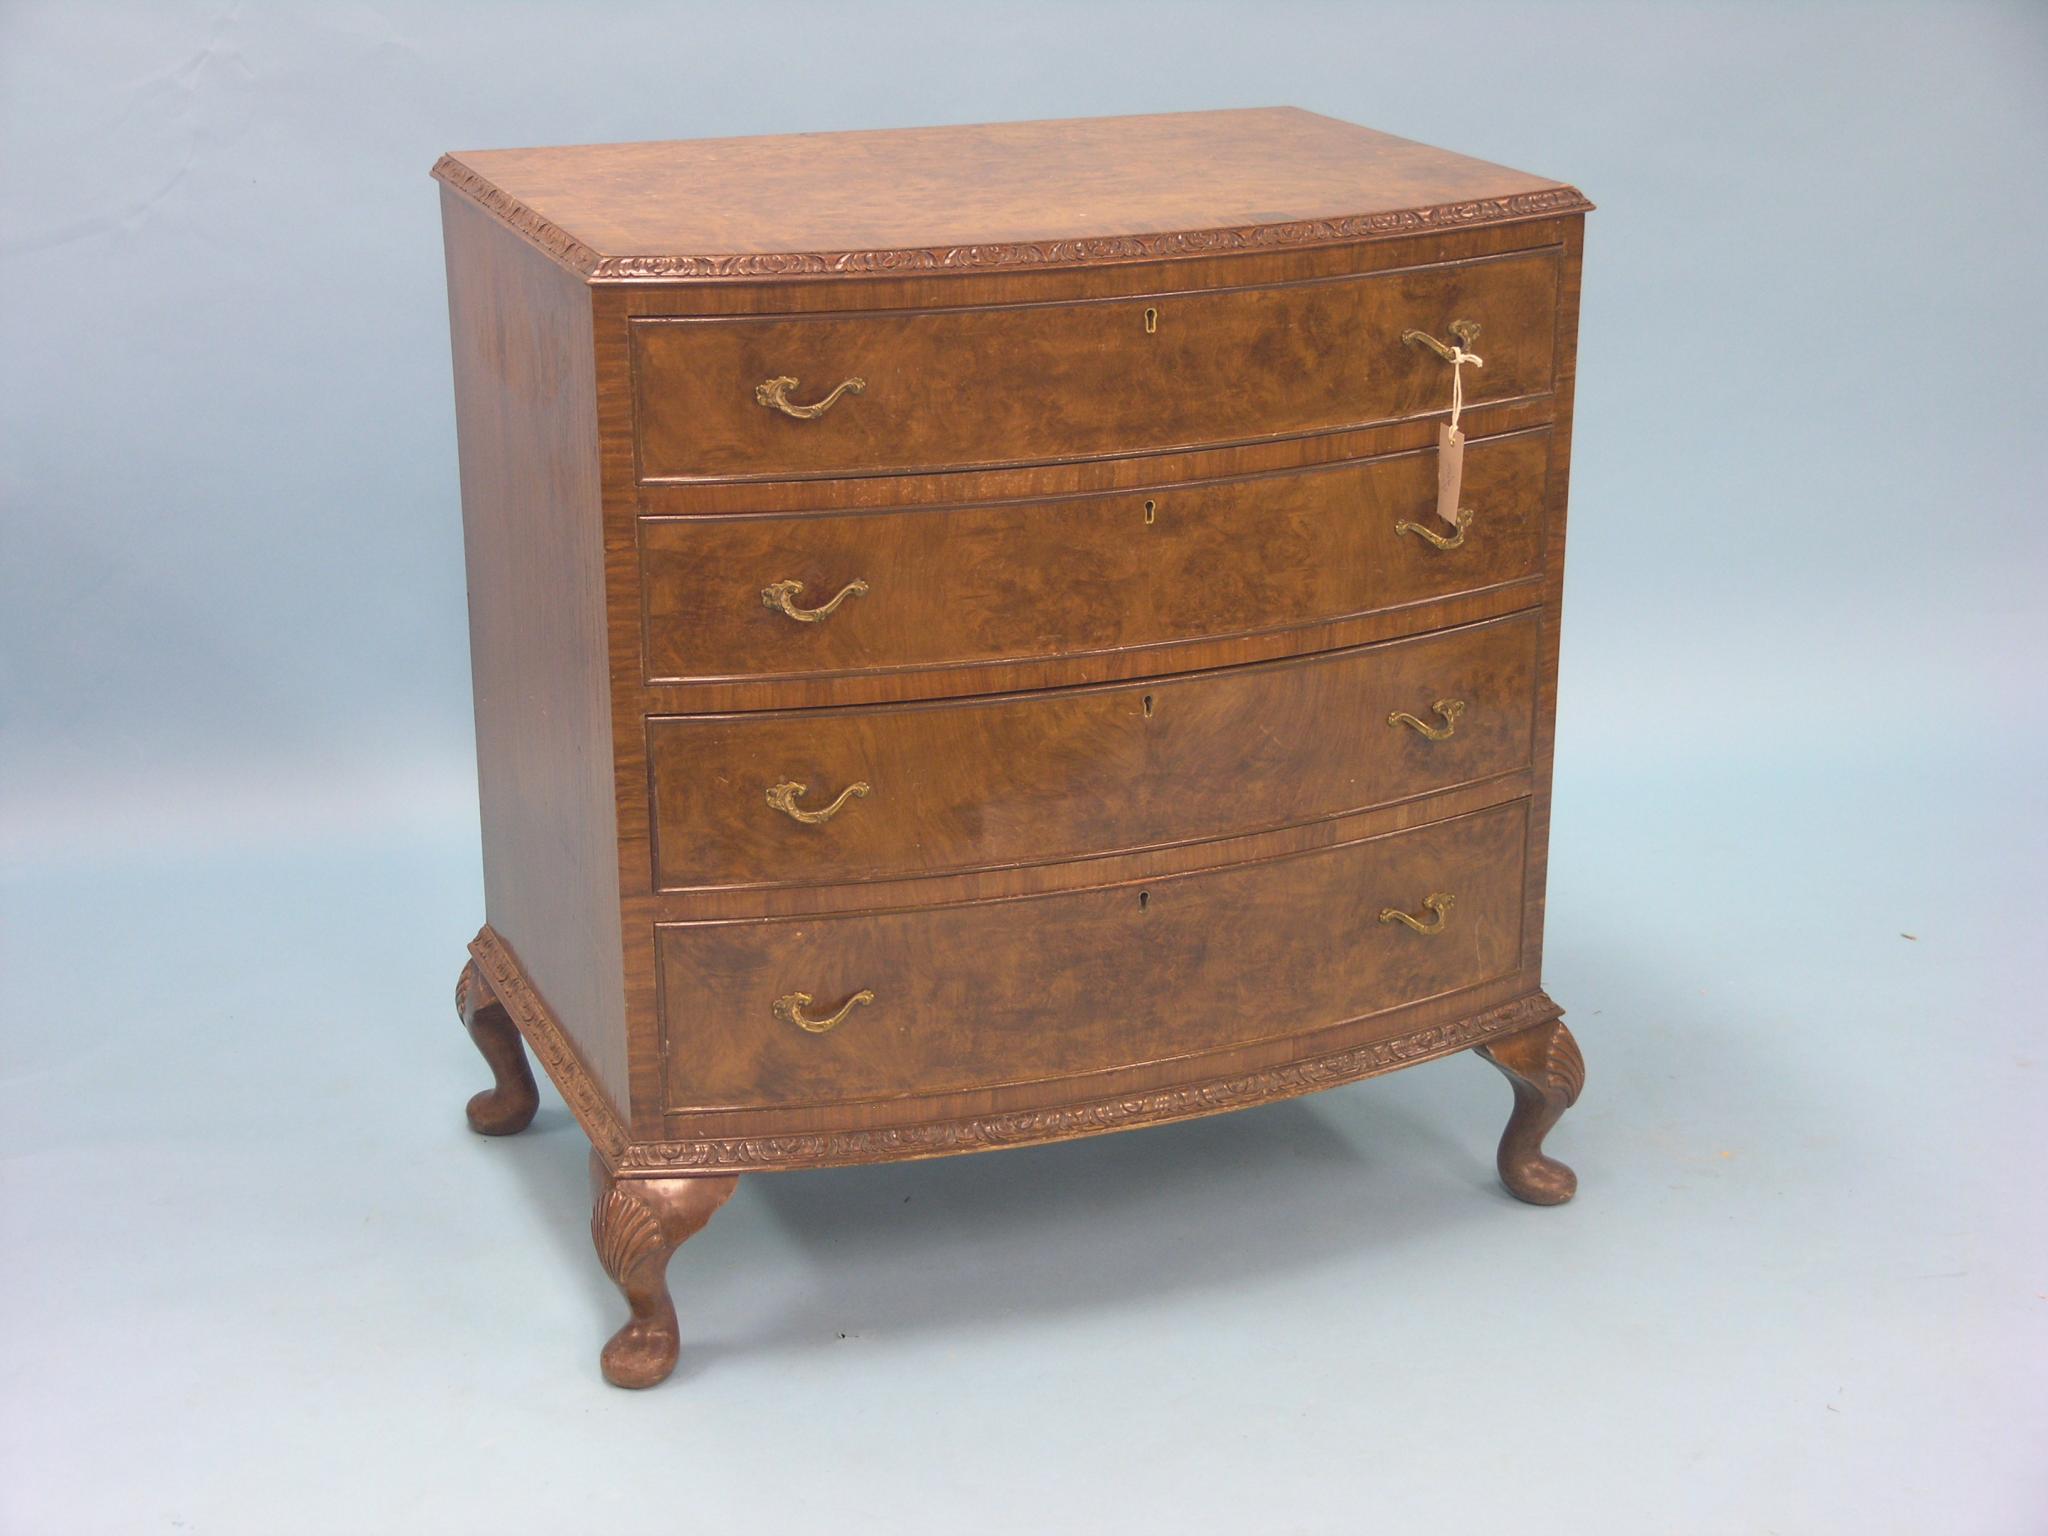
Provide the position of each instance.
(525, 389)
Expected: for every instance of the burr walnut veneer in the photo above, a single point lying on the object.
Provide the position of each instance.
(969, 649)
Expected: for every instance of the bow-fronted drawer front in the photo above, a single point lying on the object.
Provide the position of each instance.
(892, 392)
(830, 796)
(817, 1010)
(901, 591)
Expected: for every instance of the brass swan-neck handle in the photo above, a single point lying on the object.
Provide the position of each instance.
(774, 394)
(1464, 521)
(782, 596)
(784, 796)
(1438, 902)
(1448, 710)
(791, 1005)
(1467, 332)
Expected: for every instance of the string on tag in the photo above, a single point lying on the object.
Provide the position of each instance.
(1450, 442)
(1460, 357)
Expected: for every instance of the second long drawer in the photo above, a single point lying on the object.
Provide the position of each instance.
(821, 797)
(754, 597)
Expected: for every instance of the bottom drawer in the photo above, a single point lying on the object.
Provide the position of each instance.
(977, 994)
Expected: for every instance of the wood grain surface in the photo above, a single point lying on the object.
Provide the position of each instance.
(965, 650)
(1040, 988)
(1085, 772)
(1151, 567)
(1000, 524)
(526, 424)
(1071, 191)
(951, 387)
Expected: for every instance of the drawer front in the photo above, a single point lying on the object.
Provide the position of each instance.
(1020, 384)
(1033, 988)
(1039, 777)
(1023, 580)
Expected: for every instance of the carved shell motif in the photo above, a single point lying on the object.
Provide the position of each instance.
(472, 992)
(1563, 1064)
(624, 1232)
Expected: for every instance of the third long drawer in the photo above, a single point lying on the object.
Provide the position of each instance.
(829, 796)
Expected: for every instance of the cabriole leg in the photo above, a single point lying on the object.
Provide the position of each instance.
(507, 1108)
(1544, 1066)
(637, 1224)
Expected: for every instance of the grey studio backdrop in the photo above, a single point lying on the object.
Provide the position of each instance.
(254, 1274)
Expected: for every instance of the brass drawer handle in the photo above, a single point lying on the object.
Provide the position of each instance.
(1448, 709)
(783, 595)
(1437, 901)
(783, 797)
(775, 395)
(790, 1009)
(1467, 332)
(1464, 522)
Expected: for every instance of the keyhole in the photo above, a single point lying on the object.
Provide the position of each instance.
(1151, 321)
(1144, 900)
(1148, 706)
(1151, 510)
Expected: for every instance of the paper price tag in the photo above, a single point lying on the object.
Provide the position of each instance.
(1450, 472)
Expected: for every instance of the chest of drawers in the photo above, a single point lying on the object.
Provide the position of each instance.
(973, 645)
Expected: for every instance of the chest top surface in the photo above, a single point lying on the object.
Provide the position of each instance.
(1053, 193)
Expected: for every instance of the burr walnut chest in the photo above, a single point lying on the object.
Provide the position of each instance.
(989, 635)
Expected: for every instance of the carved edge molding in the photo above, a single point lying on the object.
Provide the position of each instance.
(593, 1111)
(742, 1153)
(735, 1154)
(586, 262)
(551, 238)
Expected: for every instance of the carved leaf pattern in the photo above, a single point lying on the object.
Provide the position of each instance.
(1102, 1115)
(1003, 1130)
(573, 253)
(585, 1100)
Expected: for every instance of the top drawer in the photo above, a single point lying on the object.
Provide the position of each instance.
(762, 398)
